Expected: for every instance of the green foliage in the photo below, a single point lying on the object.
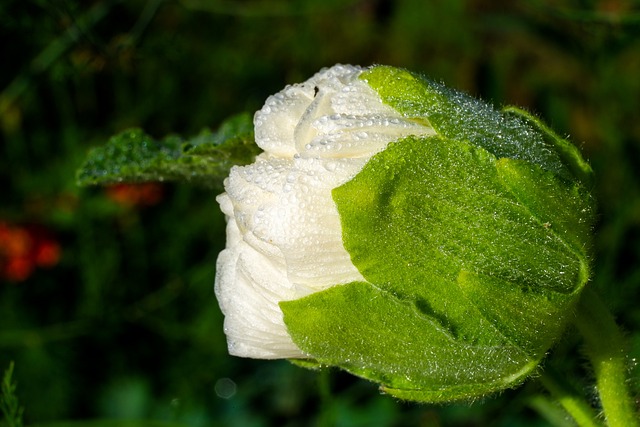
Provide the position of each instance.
(133, 156)
(9, 404)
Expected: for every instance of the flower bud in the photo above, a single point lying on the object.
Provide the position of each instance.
(404, 232)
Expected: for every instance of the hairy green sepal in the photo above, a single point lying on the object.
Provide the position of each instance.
(512, 133)
(133, 156)
(472, 263)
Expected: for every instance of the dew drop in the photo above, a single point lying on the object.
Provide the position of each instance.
(225, 388)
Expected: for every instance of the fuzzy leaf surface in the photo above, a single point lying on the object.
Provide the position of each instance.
(133, 156)
(465, 271)
(456, 115)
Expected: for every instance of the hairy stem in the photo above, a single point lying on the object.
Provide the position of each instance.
(577, 407)
(604, 346)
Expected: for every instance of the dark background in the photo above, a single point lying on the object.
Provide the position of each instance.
(106, 294)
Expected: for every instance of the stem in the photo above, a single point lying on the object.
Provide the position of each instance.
(581, 412)
(327, 416)
(604, 346)
(547, 407)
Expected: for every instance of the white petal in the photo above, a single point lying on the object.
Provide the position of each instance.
(248, 288)
(358, 99)
(275, 122)
(282, 113)
(293, 212)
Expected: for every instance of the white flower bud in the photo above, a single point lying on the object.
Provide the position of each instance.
(284, 237)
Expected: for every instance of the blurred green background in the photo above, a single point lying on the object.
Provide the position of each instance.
(106, 294)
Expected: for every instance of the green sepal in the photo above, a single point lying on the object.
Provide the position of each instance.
(457, 116)
(473, 264)
(568, 153)
(529, 319)
(566, 210)
(458, 209)
(133, 156)
(374, 335)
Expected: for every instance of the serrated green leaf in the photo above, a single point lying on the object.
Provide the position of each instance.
(461, 246)
(133, 156)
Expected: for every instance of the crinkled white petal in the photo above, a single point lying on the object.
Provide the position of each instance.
(284, 238)
(248, 295)
(294, 212)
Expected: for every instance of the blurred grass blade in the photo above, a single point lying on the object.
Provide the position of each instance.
(133, 156)
(52, 52)
(9, 404)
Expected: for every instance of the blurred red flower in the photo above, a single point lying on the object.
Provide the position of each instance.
(144, 194)
(23, 248)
